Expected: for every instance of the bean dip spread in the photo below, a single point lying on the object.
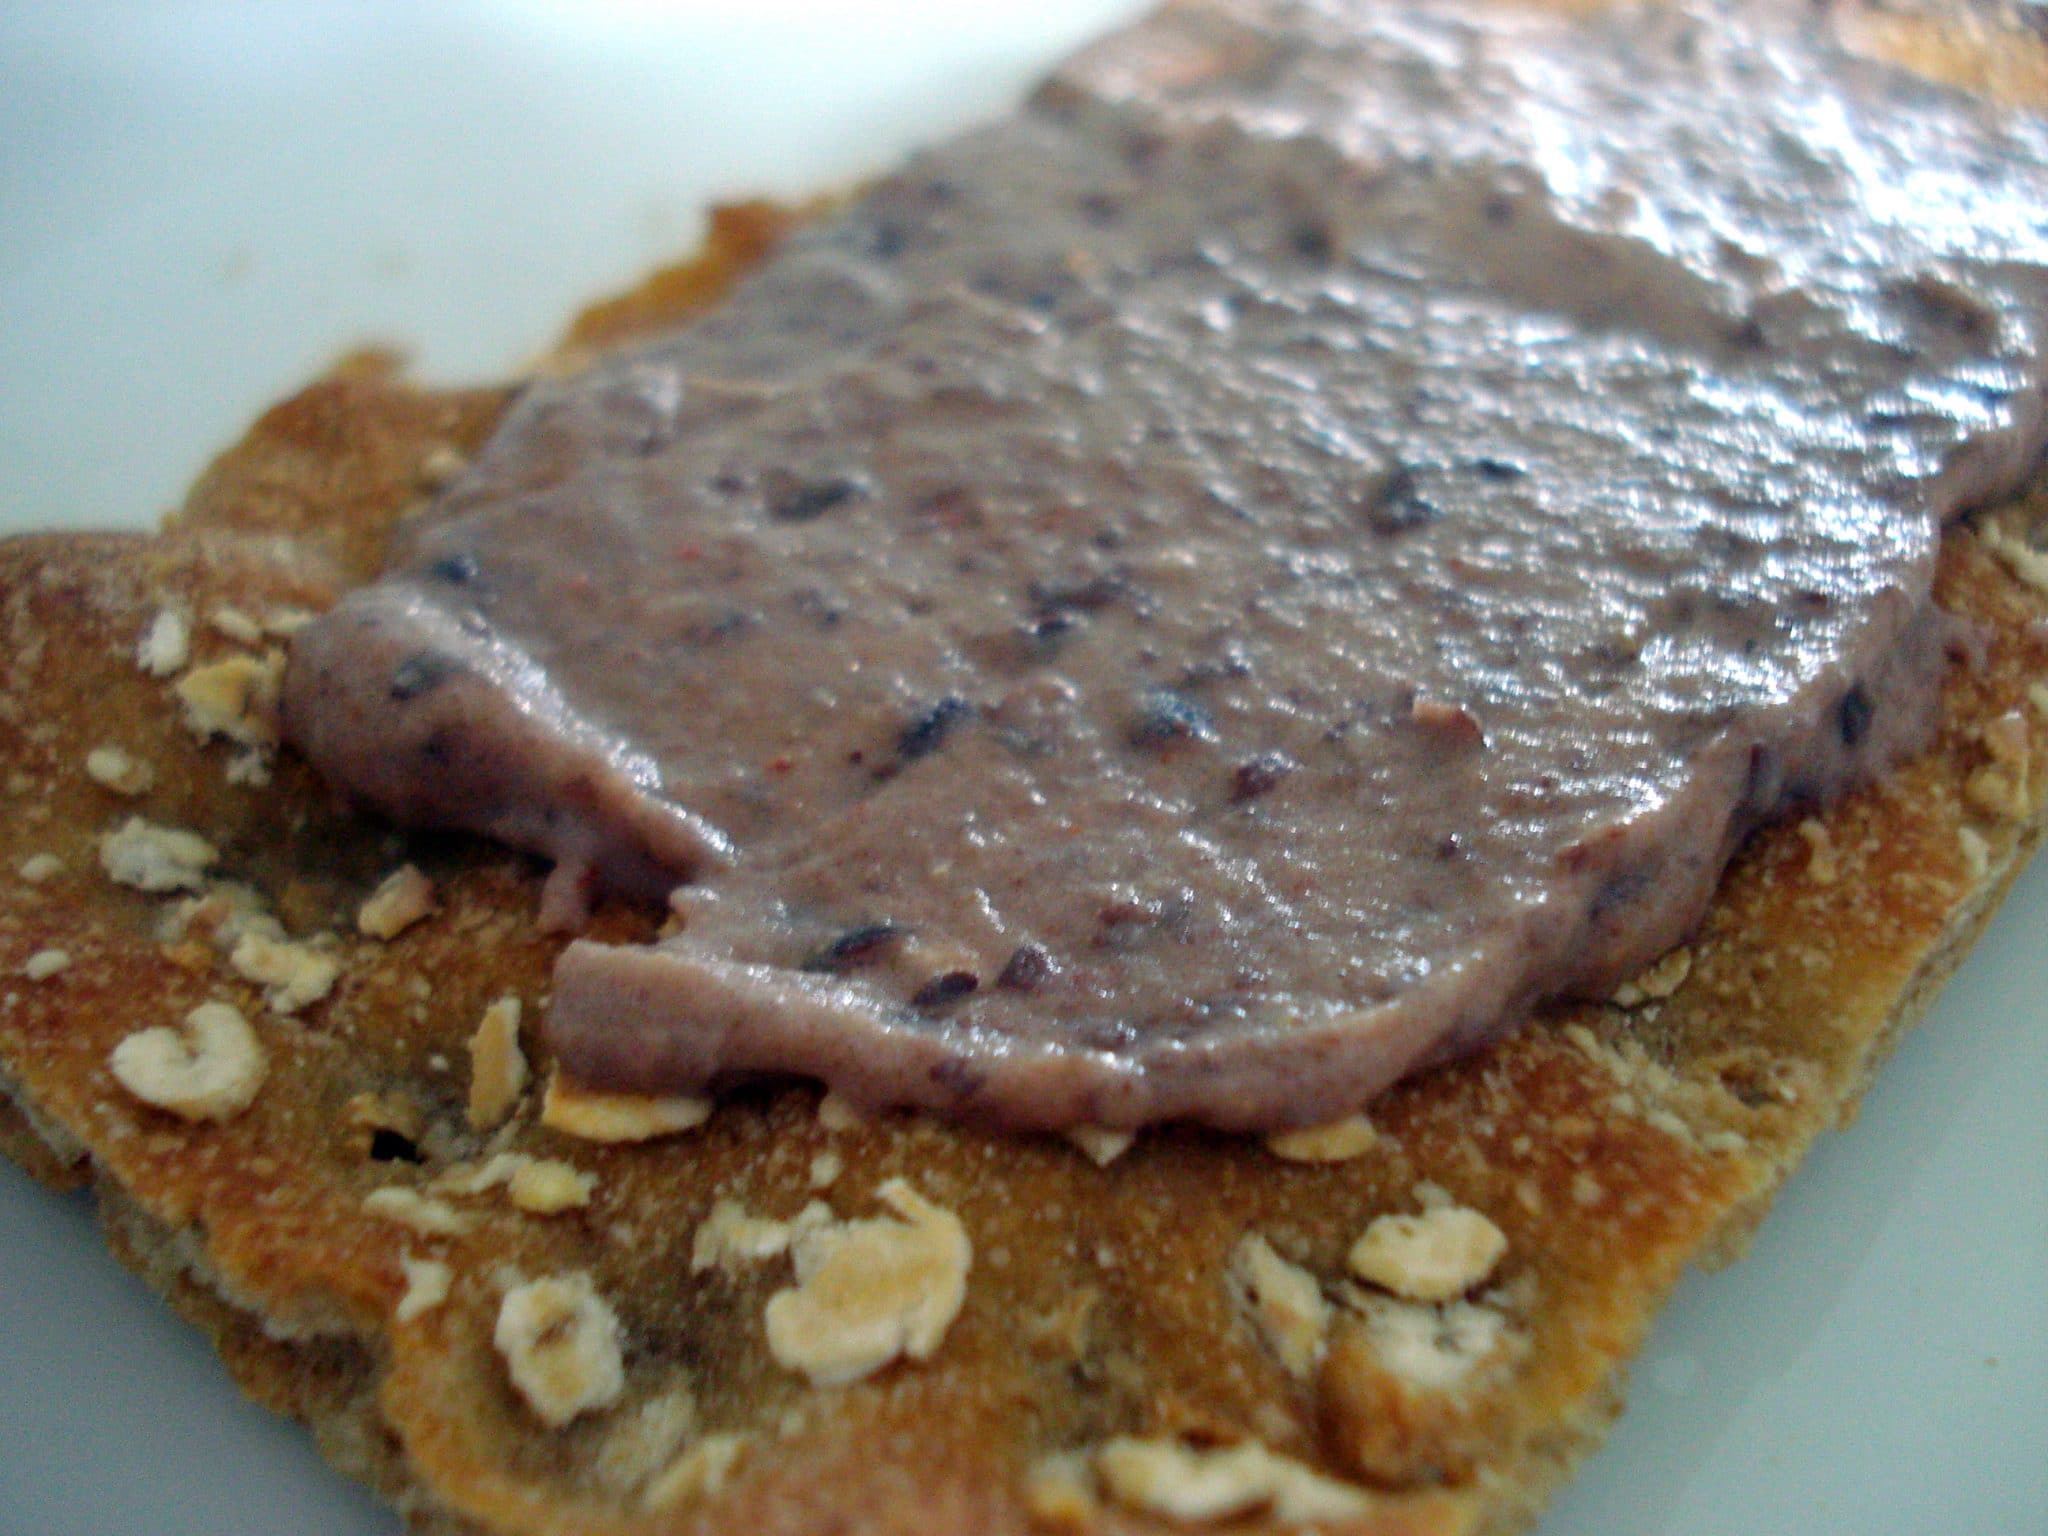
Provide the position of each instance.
(1320, 531)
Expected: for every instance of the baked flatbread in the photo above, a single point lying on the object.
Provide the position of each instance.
(1609, 1146)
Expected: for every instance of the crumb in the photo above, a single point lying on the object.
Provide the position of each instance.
(731, 1237)
(1430, 1348)
(1059, 1491)
(560, 1343)
(1658, 982)
(646, 1440)
(166, 645)
(825, 1170)
(699, 1472)
(111, 768)
(223, 915)
(45, 963)
(1432, 1257)
(147, 857)
(546, 1187)
(1182, 1483)
(478, 1178)
(2029, 566)
(837, 1113)
(208, 1069)
(1282, 1302)
(1099, 1144)
(870, 1291)
(235, 698)
(293, 976)
(2000, 788)
(410, 1208)
(497, 1066)
(403, 898)
(1336, 1142)
(426, 1286)
(38, 868)
(236, 625)
(283, 623)
(1976, 852)
(597, 1116)
(1821, 865)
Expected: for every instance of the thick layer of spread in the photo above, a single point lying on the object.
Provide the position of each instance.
(1231, 583)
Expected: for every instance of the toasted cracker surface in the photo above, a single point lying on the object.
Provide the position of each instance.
(1102, 1305)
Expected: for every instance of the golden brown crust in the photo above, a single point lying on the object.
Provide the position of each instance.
(1612, 1146)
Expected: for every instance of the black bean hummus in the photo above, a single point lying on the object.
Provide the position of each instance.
(1231, 584)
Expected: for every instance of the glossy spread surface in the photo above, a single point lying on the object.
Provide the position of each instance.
(1234, 581)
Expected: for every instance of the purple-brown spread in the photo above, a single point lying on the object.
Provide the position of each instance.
(1230, 584)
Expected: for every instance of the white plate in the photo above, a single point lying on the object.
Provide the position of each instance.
(200, 204)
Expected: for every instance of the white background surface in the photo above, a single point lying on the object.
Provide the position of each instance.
(202, 204)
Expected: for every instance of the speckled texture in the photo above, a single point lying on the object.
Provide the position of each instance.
(1324, 529)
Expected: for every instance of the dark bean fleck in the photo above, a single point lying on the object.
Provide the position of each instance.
(1166, 715)
(1256, 775)
(1449, 846)
(1050, 599)
(928, 732)
(1029, 967)
(888, 240)
(421, 674)
(1748, 335)
(1312, 241)
(387, 1146)
(1099, 207)
(1394, 506)
(1855, 714)
(819, 606)
(1498, 209)
(1044, 635)
(944, 990)
(727, 626)
(856, 947)
(802, 503)
(458, 570)
(1498, 469)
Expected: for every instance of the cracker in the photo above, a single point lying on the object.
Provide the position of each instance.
(1101, 1363)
